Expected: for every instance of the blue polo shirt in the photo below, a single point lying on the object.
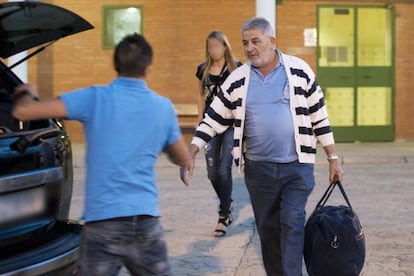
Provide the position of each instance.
(126, 126)
(269, 125)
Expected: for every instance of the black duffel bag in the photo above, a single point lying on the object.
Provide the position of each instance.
(334, 239)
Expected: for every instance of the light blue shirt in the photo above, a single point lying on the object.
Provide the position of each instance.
(126, 126)
(269, 125)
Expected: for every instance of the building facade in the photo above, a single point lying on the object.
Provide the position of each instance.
(362, 52)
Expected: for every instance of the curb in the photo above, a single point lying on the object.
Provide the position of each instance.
(375, 159)
(78, 160)
(370, 153)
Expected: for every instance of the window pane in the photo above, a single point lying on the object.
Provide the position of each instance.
(374, 37)
(374, 106)
(119, 22)
(336, 37)
(340, 105)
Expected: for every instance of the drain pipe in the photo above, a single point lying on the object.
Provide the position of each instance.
(267, 9)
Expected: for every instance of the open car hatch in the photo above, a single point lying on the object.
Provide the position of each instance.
(28, 24)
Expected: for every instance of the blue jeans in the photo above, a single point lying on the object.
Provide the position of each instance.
(137, 244)
(219, 160)
(279, 193)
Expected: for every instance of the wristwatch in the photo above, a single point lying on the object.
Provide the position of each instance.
(332, 157)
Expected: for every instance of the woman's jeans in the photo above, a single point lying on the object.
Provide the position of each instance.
(219, 160)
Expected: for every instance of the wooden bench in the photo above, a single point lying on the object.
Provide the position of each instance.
(187, 116)
(186, 109)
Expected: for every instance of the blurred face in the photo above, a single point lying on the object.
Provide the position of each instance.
(215, 49)
(258, 48)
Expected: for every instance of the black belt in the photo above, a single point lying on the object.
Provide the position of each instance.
(131, 218)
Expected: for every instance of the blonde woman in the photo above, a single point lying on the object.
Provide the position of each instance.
(219, 63)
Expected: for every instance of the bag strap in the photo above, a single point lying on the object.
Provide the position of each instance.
(325, 196)
(328, 193)
(341, 188)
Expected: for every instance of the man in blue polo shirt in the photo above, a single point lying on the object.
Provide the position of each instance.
(126, 126)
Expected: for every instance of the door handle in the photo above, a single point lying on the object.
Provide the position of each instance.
(25, 141)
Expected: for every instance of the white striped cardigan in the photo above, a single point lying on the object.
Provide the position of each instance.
(310, 117)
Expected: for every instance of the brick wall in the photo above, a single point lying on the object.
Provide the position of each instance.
(294, 16)
(404, 74)
(177, 31)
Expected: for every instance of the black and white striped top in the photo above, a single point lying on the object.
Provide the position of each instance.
(310, 117)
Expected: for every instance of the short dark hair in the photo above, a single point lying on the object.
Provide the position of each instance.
(133, 54)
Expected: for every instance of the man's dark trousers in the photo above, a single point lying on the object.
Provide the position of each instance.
(279, 192)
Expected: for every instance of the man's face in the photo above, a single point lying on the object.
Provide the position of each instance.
(259, 49)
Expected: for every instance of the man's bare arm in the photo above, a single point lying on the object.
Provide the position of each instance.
(336, 172)
(27, 108)
(178, 153)
(187, 171)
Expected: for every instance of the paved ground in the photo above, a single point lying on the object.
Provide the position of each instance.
(379, 181)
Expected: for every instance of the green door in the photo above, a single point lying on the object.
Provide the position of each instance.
(356, 70)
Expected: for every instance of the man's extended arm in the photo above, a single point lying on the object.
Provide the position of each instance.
(218, 119)
(26, 107)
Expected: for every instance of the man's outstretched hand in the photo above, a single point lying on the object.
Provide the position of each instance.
(186, 172)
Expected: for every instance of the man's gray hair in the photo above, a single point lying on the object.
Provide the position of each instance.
(259, 23)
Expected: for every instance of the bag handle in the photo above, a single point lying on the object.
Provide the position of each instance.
(325, 196)
(328, 193)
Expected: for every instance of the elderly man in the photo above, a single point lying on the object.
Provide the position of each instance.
(278, 112)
